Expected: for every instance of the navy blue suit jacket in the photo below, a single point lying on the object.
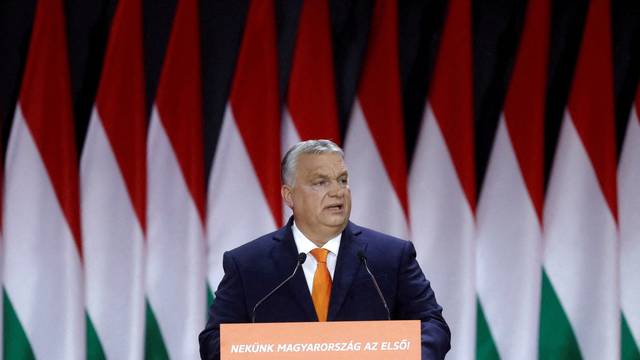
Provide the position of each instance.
(254, 269)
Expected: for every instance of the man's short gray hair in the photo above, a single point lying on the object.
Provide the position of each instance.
(313, 147)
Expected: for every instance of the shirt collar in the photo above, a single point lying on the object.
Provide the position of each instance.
(305, 245)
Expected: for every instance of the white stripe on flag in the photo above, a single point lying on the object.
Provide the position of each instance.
(237, 207)
(290, 137)
(376, 203)
(176, 281)
(442, 228)
(43, 274)
(113, 247)
(629, 202)
(509, 249)
(580, 248)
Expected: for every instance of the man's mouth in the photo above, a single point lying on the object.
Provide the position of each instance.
(335, 207)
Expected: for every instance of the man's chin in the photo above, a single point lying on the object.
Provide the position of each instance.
(339, 222)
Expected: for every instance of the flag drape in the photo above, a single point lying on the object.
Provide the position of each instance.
(245, 177)
(374, 144)
(175, 267)
(629, 205)
(43, 282)
(581, 210)
(113, 191)
(442, 182)
(311, 110)
(510, 208)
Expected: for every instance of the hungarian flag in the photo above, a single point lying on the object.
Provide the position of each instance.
(442, 182)
(175, 268)
(311, 111)
(244, 185)
(580, 313)
(42, 255)
(629, 203)
(113, 188)
(374, 144)
(509, 215)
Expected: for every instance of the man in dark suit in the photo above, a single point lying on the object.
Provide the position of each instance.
(334, 284)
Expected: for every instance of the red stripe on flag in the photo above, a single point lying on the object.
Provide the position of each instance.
(45, 100)
(525, 103)
(179, 98)
(311, 95)
(121, 104)
(450, 94)
(379, 94)
(591, 98)
(255, 100)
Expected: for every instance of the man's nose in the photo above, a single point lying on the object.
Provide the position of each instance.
(335, 189)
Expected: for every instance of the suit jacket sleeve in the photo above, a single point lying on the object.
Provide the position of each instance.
(416, 300)
(227, 308)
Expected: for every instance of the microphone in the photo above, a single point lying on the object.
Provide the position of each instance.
(363, 260)
(302, 257)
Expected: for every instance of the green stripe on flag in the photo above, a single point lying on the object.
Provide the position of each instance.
(15, 342)
(154, 348)
(557, 340)
(629, 350)
(210, 297)
(94, 347)
(485, 346)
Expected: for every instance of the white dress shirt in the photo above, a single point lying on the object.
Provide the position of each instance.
(305, 245)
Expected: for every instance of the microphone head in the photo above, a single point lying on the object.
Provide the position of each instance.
(362, 256)
(302, 257)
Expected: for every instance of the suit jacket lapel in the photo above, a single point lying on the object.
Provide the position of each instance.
(284, 255)
(347, 267)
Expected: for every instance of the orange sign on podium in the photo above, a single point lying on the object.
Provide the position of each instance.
(398, 339)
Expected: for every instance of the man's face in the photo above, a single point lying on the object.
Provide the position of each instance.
(320, 197)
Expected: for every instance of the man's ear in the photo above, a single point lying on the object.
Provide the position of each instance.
(287, 195)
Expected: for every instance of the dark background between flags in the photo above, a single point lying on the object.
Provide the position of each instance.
(496, 29)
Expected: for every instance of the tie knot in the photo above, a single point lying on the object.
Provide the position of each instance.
(320, 254)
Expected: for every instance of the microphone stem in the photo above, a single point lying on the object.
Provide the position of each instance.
(375, 284)
(301, 258)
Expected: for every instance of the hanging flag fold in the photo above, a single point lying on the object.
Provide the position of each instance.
(509, 239)
(580, 288)
(629, 203)
(311, 108)
(442, 183)
(113, 191)
(244, 185)
(175, 266)
(374, 144)
(42, 265)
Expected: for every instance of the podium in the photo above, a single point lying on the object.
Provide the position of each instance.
(362, 340)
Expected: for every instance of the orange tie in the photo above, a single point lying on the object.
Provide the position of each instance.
(321, 284)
